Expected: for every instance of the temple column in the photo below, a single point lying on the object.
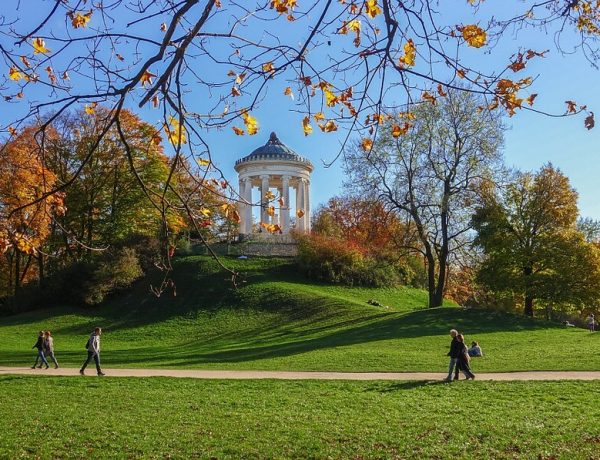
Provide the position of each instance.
(242, 207)
(307, 205)
(300, 206)
(247, 197)
(264, 188)
(285, 209)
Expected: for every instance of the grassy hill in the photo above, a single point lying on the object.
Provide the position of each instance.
(279, 320)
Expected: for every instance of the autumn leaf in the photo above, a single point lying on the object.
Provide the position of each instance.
(589, 121)
(530, 99)
(281, 201)
(440, 90)
(39, 46)
(366, 144)
(238, 131)
(147, 77)
(410, 53)
(205, 212)
(175, 131)
(163, 27)
(288, 92)
(156, 138)
(203, 162)
(80, 20)
(271, 210)
(328, 127)
(400, 130)
(15, 74)
(155, 101)
(12, 131)
(65, 75)
(90, 108)
(306, 126)
(460, 73)
(426, 96)
(319, 116)
(240, 78)
(235, 91)
(474, 35)
(372, 9)
(571, 106)
(268, 67)
(250, 122)
(300, 213)
(119, 57)
(25, 61)
(269, 195)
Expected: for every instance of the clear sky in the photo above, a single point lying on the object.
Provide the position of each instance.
(531, 139)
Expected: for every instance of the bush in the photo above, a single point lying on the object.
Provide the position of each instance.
(336, 261)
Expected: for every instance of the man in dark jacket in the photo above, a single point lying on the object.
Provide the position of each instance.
(455, 348)
(40, 354)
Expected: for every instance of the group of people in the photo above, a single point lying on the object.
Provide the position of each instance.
(45, 347)
(460, 356)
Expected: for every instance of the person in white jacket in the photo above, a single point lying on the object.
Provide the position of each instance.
(93, 350)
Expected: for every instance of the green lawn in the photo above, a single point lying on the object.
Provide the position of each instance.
(279, 320)
(53, 418)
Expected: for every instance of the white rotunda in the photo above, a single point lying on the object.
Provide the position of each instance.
(274, 169)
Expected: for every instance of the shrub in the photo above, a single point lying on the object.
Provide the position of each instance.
(337, 261)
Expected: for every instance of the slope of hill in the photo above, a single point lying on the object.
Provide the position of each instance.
(279, 320)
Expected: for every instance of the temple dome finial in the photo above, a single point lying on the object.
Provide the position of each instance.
(273, 139)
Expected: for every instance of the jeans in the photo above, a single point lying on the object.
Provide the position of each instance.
(96, 357)
(40, 356)
(51, 355)
(451, 367)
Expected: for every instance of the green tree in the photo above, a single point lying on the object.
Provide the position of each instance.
(432, 174)
(532, 247)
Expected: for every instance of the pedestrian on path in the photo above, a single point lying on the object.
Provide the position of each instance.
(464, 358)
(40, 354)
(591, 321)
(49, 347)
(453, 353)
(93, 351)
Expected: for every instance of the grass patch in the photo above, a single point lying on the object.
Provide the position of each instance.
(55, 417)
(279, 320)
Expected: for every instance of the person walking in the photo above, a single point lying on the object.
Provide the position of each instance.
(453, 353)
(464, 358)
(591, 322)
(93, 351)
(49, 347)
(40, 355)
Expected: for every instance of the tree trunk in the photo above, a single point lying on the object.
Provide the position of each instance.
(431, 279)
(528, 308)
(17, 272)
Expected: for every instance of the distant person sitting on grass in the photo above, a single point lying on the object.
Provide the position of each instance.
(475, 350)
(40, 354)
(591, 322)
(93, 351)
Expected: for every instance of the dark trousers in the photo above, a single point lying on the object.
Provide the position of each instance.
(96, 357)
(40, 356)
(464, 367)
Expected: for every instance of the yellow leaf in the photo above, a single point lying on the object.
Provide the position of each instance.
(80, 20)
(271, 211)
(328, 127)
(205, 212)
(366, 144)
(39, 46)
(147, 77)
(372, 9)
(319, 116)
(474, 35)
(398, 130)
(410, 53)
(203, 162)
(306, 126)
(268, 67)
(90, 108)
(15, 74)
(175, 132)
(269, 195)
(250, 122)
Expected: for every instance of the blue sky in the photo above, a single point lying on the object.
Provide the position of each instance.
(531, 139)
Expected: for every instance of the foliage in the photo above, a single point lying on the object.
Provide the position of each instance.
(532, 247)
(432, 176)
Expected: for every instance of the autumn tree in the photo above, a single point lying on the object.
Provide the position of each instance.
(24, 179)
(532, 247)
(432, 175)
(205, 65)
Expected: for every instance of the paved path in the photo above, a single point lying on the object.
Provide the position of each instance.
(287, 375)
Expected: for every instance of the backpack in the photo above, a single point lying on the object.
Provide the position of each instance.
(88, 344)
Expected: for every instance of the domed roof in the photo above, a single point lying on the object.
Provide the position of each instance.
(274, 149)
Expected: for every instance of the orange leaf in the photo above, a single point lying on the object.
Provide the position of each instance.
(39, 46)
(571, 106)
(306, 126)
(80, 20)
(366, 144)
(474, 35)
(238, 131)
(147, 77)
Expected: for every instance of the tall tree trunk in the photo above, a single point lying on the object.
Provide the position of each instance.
(431, 278)
(528, 308)
(17, 272)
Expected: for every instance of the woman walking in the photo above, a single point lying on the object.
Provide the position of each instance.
(49, 347)
(464, 358)
(40, 355)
